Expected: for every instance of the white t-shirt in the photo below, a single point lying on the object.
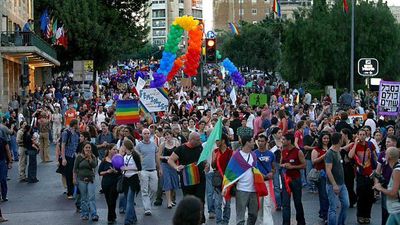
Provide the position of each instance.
(130, 163)
(250, 121)
(246, 182)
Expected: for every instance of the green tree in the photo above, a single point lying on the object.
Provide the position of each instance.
(316, 44)
(102, 30)
(256, 47)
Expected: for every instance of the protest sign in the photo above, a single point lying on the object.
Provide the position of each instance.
(154, 99)
(389, 98)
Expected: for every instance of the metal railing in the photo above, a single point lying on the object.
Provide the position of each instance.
(15, 38)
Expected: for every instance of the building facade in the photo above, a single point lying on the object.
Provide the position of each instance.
(21, 52)
(252, 11)
(163, 12)
(396, 12)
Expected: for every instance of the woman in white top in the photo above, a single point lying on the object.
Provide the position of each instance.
(56, 118)
(131, 168)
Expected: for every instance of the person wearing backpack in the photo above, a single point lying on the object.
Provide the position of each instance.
(69, 144)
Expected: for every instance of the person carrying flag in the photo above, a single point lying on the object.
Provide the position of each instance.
(242, 171)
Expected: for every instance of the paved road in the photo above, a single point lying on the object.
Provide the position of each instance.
(44, 203)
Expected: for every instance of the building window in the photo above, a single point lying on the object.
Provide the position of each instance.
(158, 23)
(158, 13)
(266, 1)
(254, 11)
(241, 12)
(181, 12)
(253, 1)
(159, 41)
(159, 33)
(197, 13)
(159, 2)
(241, 1)
(182, 1)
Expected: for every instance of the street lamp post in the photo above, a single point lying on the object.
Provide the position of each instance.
(352, 47)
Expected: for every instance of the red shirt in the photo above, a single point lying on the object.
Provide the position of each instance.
(363, 158)
(320, 165)
(291, 156)
(299, 135)
(222, 159)
(70, 114)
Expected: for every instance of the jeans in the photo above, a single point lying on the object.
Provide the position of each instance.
(323, 196)
(385, 213)
(111, 195)
(14, 147)
(344, 201)
(122, 202)
(278, 185)
(130, 216)
(32, 166)
(295, 187)
(3, 178)
(210, 192)
(222, 212)
(148, 184)
(88, 198)
(393, 219)
(309, 166)
(246, 200)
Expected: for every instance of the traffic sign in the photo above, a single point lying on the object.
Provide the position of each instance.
(368, 67)
(211, 35)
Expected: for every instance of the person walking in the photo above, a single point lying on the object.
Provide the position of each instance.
(32, 149)
(336, 187)
(131, 168)
(5, 158)
(150, 166)
(44, 129)
(69, 145)
(242, 171)
(392, 190)
(170, 176)
(220, 159)
(56, 118)
(318, 160)
(22, 153)
(188, 154)
(84, 166)
(104, 138)
(292, 162)
(265, 163)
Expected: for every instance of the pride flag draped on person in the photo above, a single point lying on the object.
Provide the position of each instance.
(236, 168)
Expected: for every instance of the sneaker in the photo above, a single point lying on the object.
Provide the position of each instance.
(211, 215)
(2, 219)
(95, 218)
(70, 197)
(147, 213)
(84, 217)
(5, 199)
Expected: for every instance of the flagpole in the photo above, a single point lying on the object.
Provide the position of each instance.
(352, 47)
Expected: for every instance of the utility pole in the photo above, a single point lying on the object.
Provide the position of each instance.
(353, 5)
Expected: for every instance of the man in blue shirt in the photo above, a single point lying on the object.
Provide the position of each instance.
(265, 160)
(28, 26)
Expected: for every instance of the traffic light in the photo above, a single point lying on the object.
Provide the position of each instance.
(25, 73)
(211, 50)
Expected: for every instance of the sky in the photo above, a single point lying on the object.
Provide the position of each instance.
(208, 15)
(393, 2)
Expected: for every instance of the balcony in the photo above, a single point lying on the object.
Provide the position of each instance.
(28, 44)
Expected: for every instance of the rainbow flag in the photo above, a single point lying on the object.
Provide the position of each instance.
(190, 175)
(234, 28)
(276, 8)
(236, 169)
(345, 6)
(127, 112)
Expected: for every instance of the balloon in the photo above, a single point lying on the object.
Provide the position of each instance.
(117, 161)
(233, 72)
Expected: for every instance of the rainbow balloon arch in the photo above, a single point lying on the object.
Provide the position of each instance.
(170, 64)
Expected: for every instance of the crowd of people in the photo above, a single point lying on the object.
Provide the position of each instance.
(296, 142)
